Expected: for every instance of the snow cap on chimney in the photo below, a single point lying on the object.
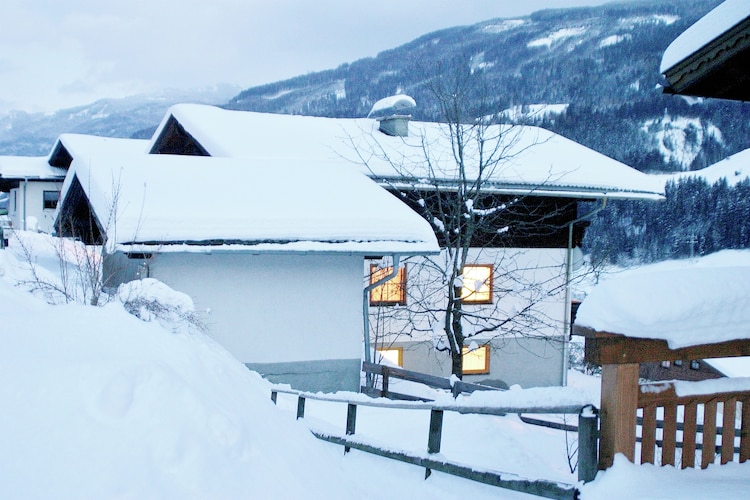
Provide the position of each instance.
(393, 113)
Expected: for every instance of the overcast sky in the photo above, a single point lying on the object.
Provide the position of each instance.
(56, 54)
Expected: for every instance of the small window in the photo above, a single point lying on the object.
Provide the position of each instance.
(695, 365)
(666, 364)
(678, 362)
(50, 199)
(393, 354)
(393, 291)
(477, 284)
(476, 361)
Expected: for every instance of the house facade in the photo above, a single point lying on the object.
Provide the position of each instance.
(271, 260)
(527, 254)
(33, 187)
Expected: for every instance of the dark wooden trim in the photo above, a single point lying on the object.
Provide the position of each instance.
(603, 348)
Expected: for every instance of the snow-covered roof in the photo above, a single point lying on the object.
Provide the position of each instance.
(712, 25)
(685, 302)
(534, 160)
(29, 167)
(190, 203)
(83, 145)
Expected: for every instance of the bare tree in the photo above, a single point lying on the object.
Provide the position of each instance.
(469, 212)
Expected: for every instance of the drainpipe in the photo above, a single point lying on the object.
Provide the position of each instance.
(23, 211)
(366, 309)
(568, 275)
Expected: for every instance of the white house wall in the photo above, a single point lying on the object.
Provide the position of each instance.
(295, 318)
(528, 351)
(26, 201)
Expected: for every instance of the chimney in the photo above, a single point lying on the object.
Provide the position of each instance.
(393, 113)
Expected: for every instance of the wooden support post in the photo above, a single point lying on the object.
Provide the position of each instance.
(618, 412)
(708, 453)
(436, 432)
(351, 422)
(648, 434)
(728, 430)
(669, 435)
(745, 431)
(588, 433)
(300, 407)
(386, 374)
(274, 395)
(689, 433)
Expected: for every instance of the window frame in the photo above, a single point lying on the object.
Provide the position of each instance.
(480, 371)
(399, 354)
(45, 201)
(466, 295)
(396, 284)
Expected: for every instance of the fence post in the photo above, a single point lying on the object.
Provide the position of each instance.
(385, 373)
(351, 422)
(300, 407)
(588, 430)
(435, 436)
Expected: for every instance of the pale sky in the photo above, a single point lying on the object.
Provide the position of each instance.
(57, 54)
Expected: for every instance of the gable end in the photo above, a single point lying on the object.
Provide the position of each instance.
(76, 218)
(175, 140)
(60, 156)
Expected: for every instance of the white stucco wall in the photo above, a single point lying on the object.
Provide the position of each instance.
(27, 201)
(528, 351)
(273, 308)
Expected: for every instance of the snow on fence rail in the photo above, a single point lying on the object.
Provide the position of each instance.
(587, 438)
(387, 372)
(669, 397)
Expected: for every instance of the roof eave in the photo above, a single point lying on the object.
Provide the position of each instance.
(701, 73)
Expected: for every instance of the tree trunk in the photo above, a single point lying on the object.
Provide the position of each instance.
(457, 359)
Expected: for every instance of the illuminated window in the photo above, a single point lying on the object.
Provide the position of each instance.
(393, 354)
(476, 361)
(477, 284)
(391, 292)
(50, 199)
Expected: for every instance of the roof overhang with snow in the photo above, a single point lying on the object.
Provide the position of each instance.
(712, 57)
(29, 168)
(172, 203)
(689, 309)
(533, 161)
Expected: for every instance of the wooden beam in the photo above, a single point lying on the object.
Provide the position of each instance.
(609, 349)
(618, 412)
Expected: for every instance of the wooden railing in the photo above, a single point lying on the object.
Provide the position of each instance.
(386, 373)
(680, 415)
(587, 439)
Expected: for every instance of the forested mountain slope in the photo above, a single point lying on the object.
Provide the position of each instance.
(590, 74)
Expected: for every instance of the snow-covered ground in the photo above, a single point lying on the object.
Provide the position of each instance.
(97, 403)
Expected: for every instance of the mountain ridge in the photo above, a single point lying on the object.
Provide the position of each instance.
(590, 74)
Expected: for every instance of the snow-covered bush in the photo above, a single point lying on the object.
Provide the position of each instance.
(151, 300)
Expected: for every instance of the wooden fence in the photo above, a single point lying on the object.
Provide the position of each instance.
(386, 373)
(587, 440)
(662, 398)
